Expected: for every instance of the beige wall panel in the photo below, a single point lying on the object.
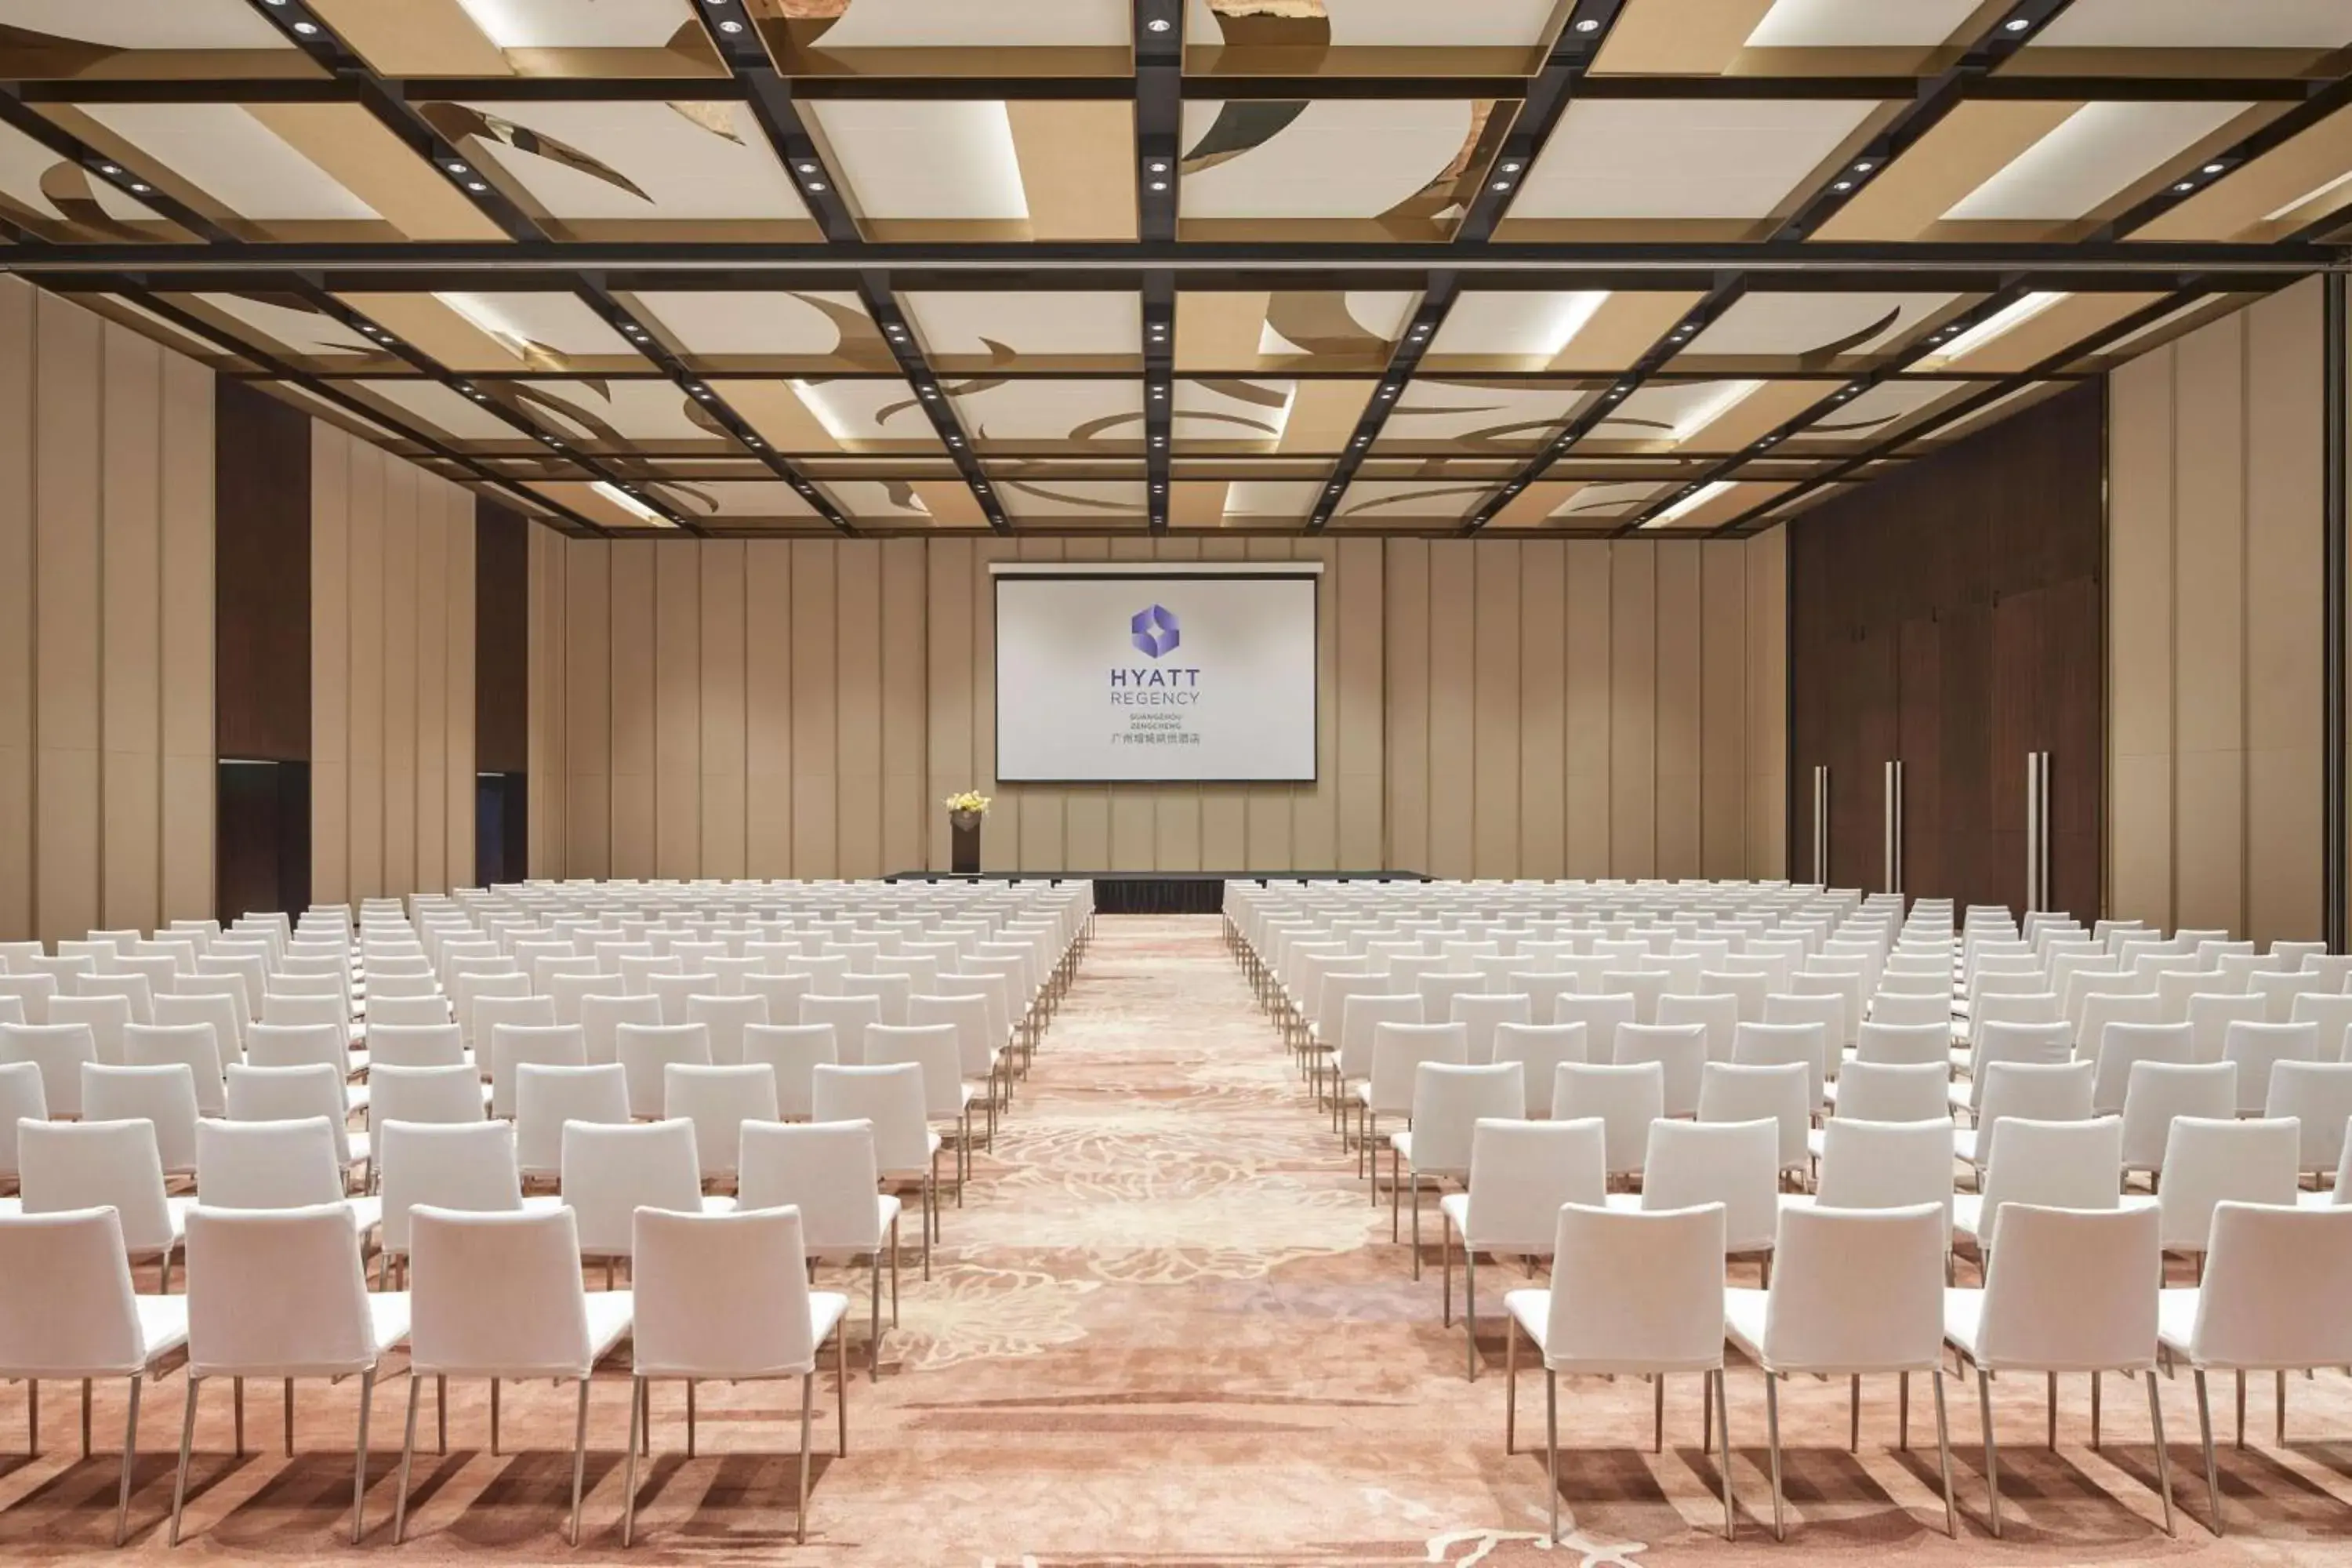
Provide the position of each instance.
(1176, 810)
(768, 708)
(2139, 555)
(1632, 712)
(458, 785)
(1360, 702)
(1224, 808)
(130, 569)
(364, 825)
(2282, 468)
(1037, 818)
(815, 831)
(1000, 840)
(1542, 589)
(1496, 714)
(1722, 708)
(432, 676)
(1454, 758)
(1086, 813)
(331, 659)
(1679, 658)
(587, 712)
(1767, 675)
(2209, 539)
(1314, 808)
(720, 561)
(952, 656)
(906, 655)
(397, 663)
(677, 708)
(1586, 684)
(2283, 874)
(636, 716)
(67, 487)
(188, 815)
(857, 724)
(1406, 584)
(546, 646)
(2209, 873)
(18, 370)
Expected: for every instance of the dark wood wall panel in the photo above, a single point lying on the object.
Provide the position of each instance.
(501, 639)
(261, 614)
(1950, 616)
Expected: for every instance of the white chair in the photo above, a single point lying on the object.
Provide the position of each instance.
(1778, 1094)
(793, 1052)
(1883, 1165)
(1449, 1101)
(1734, 1164)
(136, 988)
(646, 1050)
(2054, 1165)
(889, 992)
(470, 1166)
(828, 1171)
(106, 1018)
(1913, 1009)
(2102, 1008)
(2318, 1096)
(296, 1094)
(164, 1096)
(21, 1100)
(717, 1101)
(906, 1148)
(2251, 1310)
(497, 1296)
(1637, 1294)
(59, 1051)
(2259, 1048)
(2209, 1017)
(193, 1046)
(725, 1018)
(2073, 1291)
(948, 1098)
(1398, 1051)
(1716, 1014)
(547, 1097)
(67, 1313)
(1904, 1044)
(850, 1017)
(69, 1166)
(2161, 1092)
(414, 1046)
(429, 1008)
(980, 1059)
(1828, 1009)
(603, 1018)
(512, 1045)
(31, 992)
(1990, 1044)
(1680, 1049)
(2059, 1091)
(1521, 1174)
(1769, 1045)
(611, 1171)
(1361, 1019)
(1483, 1012)
(569, 992)
(279, 1294)
(2124, 1047)
(676, 992)
(2277, 989)
(2334, 1017)
(439, 1094)
(2210, 1161)
(1623, 1100)
(1539, 1048)
(1854, 1292)
(1894, 1091)
(726, 1297)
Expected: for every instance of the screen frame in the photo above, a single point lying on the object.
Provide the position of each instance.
(1301, 571)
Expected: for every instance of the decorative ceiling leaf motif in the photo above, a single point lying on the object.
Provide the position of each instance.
(1273, 24)
(999, 353)
(1666, 425)
(860, 341)
(1240, 125)
(1094, 427)
(26, 53)
(457, 122)
(70, 190)
(1834, 426)
(1122, 508)
(1246, 391)
(1182, 415)
(1444, 194)
(1816, 357)
(1374, 505)
(715, 118)
(902, 497)
(532, 402)
(1318, 322)
(702, 501)
(698, 414)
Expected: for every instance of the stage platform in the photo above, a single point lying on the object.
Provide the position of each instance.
(1159, 892)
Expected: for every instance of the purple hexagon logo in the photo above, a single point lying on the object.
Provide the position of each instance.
(1154, 631)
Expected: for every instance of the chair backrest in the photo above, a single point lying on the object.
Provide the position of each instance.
(1857, 1290)
(570, 992)
(2318, 1096)
(1715, 1013)
(278, 1165)
(511, 1045)
(2123, 1047)
(166, 1096)
(609, 1172)
(1361, 1017)
(2071, 1290)
(276, 1292)
(1894, 1091)
(2278, 991)
(647, 1049)
(720, 1295)
(436, 1094)
(1904, 1044)
(2334, 1017)
(414, 1046)
(1912, 1008)
(891, 1098)
(2211, 1016)
(290, 1094)
(269, 1045)
(675, 992)
(452, 1165)
(1539, 1048)
(195, 1045)
(2267, 1267)
(21, 1100)
(32, 992)
(2057, 1091)
(319, 1003)
(1521, 1174)
(602, 1016)
(1482, 1012)
(849, 1016)
(1637, 1292)
(2161, 1090)
(1449, 1101)
(432, 1008)
(548, 1097)
(2208, 1162)
(935, 1048)
(718, 1100)
(137, 988)
(2102, 1008)
(1398, 1051)
(1828, 1009)
(57, 1051)
(1778, 1093)
(1990, 1042)
(496, 1294)
(1886, 1164)
(106, 1018)
(1679, 1048)
(1626, 1100)
(66, 1306)
(889, 991)
(1768, 1044)
(968, 1016)
(827, 1170)
(794, 1052)
(2257, 1048)
(2057, 1164)
(1734, 1164)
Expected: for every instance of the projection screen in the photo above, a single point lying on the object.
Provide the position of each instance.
(1160, 677)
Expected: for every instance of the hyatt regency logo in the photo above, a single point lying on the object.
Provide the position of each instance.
(1154, 631)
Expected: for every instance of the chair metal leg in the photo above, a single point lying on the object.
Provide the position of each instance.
(2051, 1404)
(2279, 1435)
(494, 1417)
(236, 1413)
(1772, 1441)
(130, 1463)
(407, 1453)
(1552, 1446)
(2241, 1410)
(85, 1418)
(2213, 1468)
(690, 1418)
(1416, 1225)
(1510, 1382)
(31, 1416)
(1721, 1410)
(2096, 1380)
(1445, 1268)
(893, 1272)
(440, 1413)
(1854, 1414)
(187, 1443)
(1903, 1413)
(1470, 1305)
(289, 1417)
(1944, 1459)
(800, 1519)
(579, 1461)
(874, 1328)
(1658, 1412)
(359, 1467)
(2163, 1460)
(1992, 1451)
(629, 1474)
(1396, 1194)
(841, 1376)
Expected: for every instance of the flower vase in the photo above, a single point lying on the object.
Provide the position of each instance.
(965, 855)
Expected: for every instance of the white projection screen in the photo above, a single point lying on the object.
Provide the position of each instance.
(1191, 676)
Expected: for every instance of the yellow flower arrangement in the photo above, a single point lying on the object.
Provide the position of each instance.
(970, 800)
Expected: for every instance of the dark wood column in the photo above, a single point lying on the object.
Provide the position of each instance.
(501, 690)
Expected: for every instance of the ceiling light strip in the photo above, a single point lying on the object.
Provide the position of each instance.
(1159, 394)
(1404, 358)
(1159, 89)
(2322, 100)
(1544, 99)
(112, 170)
(937, 400)
(770, 96)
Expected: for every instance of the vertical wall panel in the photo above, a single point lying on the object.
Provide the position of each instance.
(2139, 638)
(1224, 808)
(1766, 669)
(1358, 605)
(999, 843)
(768, 708)
(1452, 754)
(2208, 626)
(331, 663)
(1102, 827)
(635, 716)
(396, 665)
(905, 789)
(587, 716)
(459, 753)
(1497, 715)
(429, 669)
(1587, 684)
(1722, 708)
(1679, 611)
(364, 815)
(677, 712)
(550, 704)
(130, 559)
(186, 815)
(857, 721)
(816, 698)
(951, 656)
(724, 772)
(67, 487)
(1542, 586)
(1315, 808)
(19, 361)
(1632, 712)
(1407, 581)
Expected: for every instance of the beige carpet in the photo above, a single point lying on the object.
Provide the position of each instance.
(1167, 1328)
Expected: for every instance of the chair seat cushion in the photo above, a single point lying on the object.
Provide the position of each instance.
(1531, 1309)
(826, 1309)
(609, 1314)
(1743, 1319)
(2176, 1318)
(1963, 1318)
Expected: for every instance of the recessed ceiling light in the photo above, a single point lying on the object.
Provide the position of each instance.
(2018, 24)
(109, 168)
(141, 186)
(1157, 166)
(1159, 184)
(2185, 185)
(457, 168)
(306, 28)
(1588, 25)
(1388, 392)
(805, 168)
(476, 185)
(817, 185)
(1156, 24)
(1843, 185)
(731, 26)
(1864, 167)
(1502, 184)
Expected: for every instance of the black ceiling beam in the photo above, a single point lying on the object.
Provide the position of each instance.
(938, 405)
(1894, 445)
(646, 341)
(771, 98)
(1404, 357)
(327, 391)
(1581, 34)
(1158, 394)
(107, 169)
(1195, 372)
(1159, 87)
(2321, 100)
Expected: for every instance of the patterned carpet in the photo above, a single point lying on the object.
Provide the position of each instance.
(1169, 1328)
